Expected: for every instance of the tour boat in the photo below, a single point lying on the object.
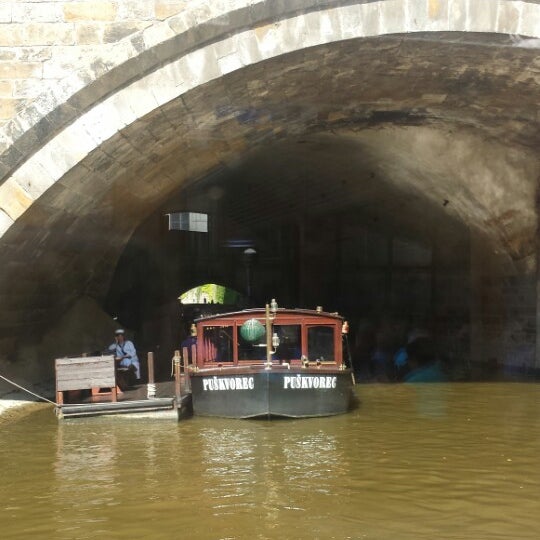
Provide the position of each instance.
(270, 362)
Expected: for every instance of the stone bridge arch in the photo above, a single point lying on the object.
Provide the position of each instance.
(97, 154)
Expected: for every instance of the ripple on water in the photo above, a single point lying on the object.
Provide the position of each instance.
(411, 462)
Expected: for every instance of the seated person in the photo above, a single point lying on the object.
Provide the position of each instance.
(126, 358)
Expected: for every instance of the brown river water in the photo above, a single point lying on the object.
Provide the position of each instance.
(431, 461)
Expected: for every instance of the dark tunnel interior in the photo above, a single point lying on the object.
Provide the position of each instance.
(307, 223)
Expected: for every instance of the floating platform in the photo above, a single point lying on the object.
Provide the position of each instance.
(132, 404)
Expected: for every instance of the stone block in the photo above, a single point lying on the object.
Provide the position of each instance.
(48, 34)
(371, 20)
(200, 66)
(5, 12)
(288, 35)
(167, 8)
(7, 89)
(34, 54)
(482, 15)
(14, 201)
(114, 32)
(20, 70)
(101, 122)
(140, 100)
(136, 10)
(5, 222)
(156, 34)
(12, 35)
(429, 15)
(8, 108)
(247, 46)
(89, 33)
(269, 42)
(230, 63)
(530, 20)
(90, 11)
(37, 12)
(351, 21)
(163, 86)
(393, 18)
(33, 178)
(508, 18)
(8, 54)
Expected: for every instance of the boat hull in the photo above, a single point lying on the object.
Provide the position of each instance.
(271, 393)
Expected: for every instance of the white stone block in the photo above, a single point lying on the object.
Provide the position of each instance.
(200, 66)
(482, 15)
(5, 12)
(139, 98)
(509, 17)
(371, 20)
(393, 17)
(14, 200)
(330, 26)
(457, 15)
(33, 178)
(43, 12)
(248, 48)
(139, 10)
(5, 222)
(291, 34)
(530, 20)
(74, 140)
(163, 86)
(269, 43)
(157, 33)
(101, 122)
(352, 24)
(230, 63)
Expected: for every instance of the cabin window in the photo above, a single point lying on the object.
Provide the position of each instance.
(290, 342)
(321, 343)
(252, 349)
(218, 344)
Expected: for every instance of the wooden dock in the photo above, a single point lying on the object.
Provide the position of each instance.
(90, 386)
(131, 403)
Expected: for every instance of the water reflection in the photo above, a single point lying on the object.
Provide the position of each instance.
(430, 399)
(412, 462)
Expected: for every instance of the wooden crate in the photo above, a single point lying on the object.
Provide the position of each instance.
(85, 372)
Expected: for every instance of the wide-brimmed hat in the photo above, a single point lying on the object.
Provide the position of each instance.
(119, 331)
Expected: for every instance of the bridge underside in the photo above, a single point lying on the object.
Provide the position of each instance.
(391, 178)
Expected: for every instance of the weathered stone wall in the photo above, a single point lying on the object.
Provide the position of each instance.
(110, 105)
(43, 42)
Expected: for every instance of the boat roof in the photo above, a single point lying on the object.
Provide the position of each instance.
(281, 311)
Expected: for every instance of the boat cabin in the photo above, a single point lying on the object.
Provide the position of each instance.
(298, 337)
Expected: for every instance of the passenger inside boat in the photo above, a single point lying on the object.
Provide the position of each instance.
(218, 344)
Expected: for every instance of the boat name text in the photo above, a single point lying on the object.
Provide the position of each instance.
(228, 383)
(299, 381)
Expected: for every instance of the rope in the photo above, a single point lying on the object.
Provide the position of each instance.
(29, 391)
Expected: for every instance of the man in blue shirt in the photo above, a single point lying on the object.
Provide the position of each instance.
(124, 352)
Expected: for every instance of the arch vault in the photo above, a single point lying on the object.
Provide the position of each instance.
(435, 100)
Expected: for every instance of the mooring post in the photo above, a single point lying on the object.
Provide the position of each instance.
(177, 392)
(185, 364)
(151, 386)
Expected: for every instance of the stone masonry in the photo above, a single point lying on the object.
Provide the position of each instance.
(108, 107)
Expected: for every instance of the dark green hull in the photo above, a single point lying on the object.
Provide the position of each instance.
(271, 393)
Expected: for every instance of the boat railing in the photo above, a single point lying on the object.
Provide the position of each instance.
(312, 367)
